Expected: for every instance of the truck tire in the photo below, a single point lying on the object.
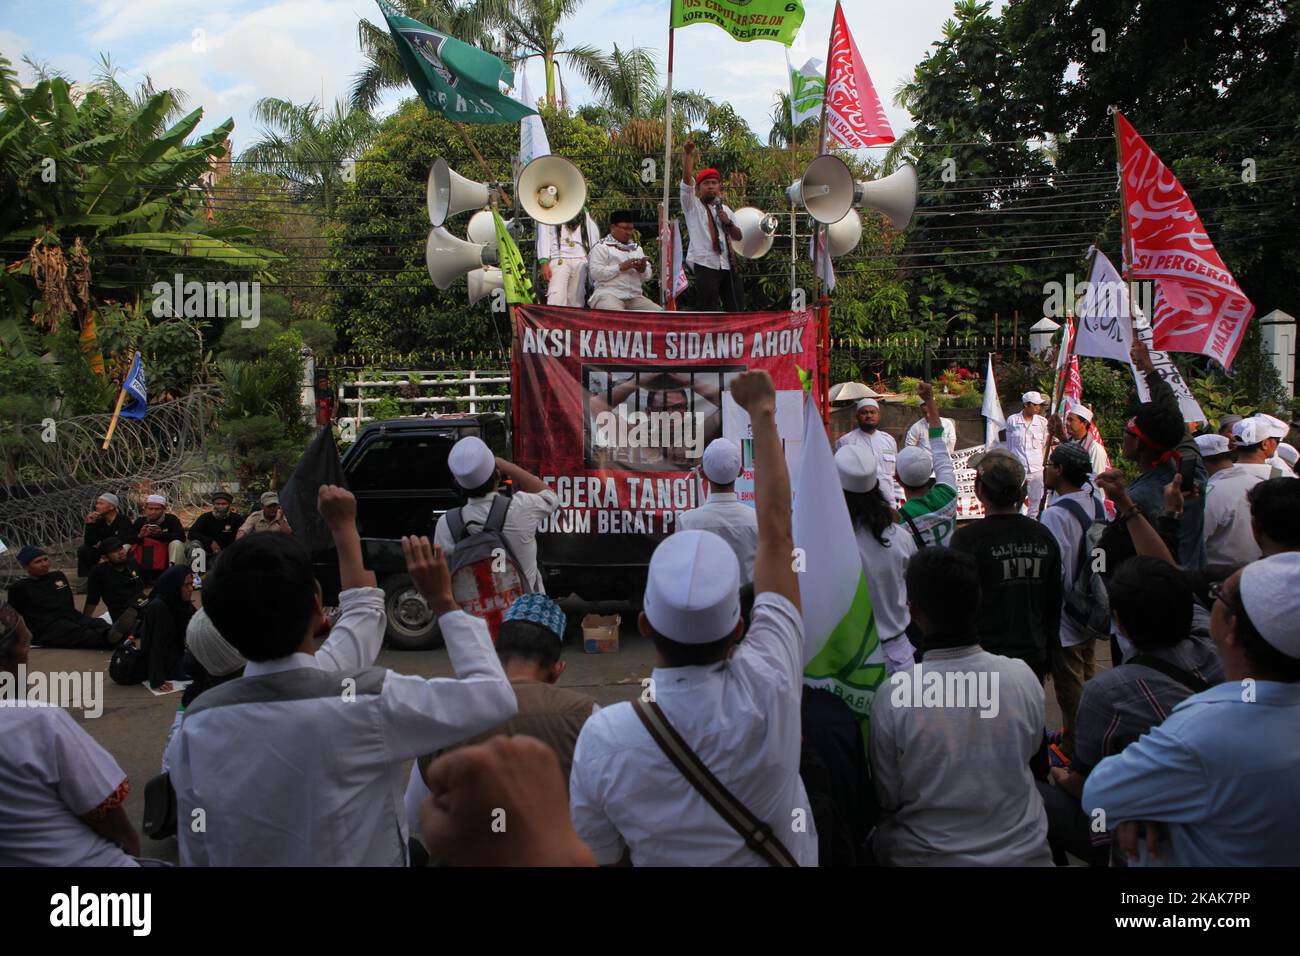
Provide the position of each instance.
(411, 623)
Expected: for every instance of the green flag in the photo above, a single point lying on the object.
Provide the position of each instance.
(519, 288)
(745, 20)
(452, 77)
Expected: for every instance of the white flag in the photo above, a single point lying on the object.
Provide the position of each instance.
(1105, 320)
(532, 134)
(822, 264)
(807, 89)
(994, 420)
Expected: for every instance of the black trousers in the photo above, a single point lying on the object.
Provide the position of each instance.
(76, 632)
(717, 290)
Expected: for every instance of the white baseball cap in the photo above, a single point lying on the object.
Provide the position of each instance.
(692, 593)
(1032, 398)
(1081, 411)
(857, 468)
(914, 466)
(866, 403)
(1288, 453)
(1253, 430)
(721, 461)
(1270, 593)
(471, 462)
(1212, 445)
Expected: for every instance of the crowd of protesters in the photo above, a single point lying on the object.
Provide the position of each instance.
(295, 747)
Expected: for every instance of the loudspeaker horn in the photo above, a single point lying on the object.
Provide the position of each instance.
(757, 230)
(482, 282)
(448, 258)
(895, 195)
(449, 193)
(552, 190)
(484, 231)
(825, 190)
(843, 236)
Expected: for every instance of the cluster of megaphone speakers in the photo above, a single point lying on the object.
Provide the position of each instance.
(828, 192)
(550, 190)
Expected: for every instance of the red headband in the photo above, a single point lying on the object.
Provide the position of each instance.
(704, 174)
(1166, 454)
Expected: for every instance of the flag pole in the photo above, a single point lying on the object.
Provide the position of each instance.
(819, 232)
(117, 411)
(1126, 254)
(793, 144)
(666, 268)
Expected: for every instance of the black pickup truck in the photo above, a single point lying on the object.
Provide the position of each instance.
(398, 471)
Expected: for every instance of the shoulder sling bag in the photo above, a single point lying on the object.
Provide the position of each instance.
(758, 836)
(1193, 682)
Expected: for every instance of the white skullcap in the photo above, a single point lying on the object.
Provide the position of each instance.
(1288, 453)
(721, 461)
(1253, 430)
(471, 462)
(866, 403)
(857, 467)
(1081, 411)
(692, 592)
(1032, 398)
(155, 500)
(209, 648)
(1211, 445)
(914, 466)
(1270, 593)
(110, 498)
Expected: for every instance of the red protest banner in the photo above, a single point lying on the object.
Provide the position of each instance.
(614, 410)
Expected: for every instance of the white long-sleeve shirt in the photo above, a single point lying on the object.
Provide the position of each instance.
(603, 269)
(700, 251)
(561, 242)
(300, 761)
(1027, 440)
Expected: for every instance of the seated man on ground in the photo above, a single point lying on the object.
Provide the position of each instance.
(1215, 783)
(216, 529)
(61, 793)
(44, 599)
(104, 521)
(300, 761)
(118, 583)
(159, 539)
(952, 737)
(270, 518)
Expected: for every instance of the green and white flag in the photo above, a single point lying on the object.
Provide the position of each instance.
(745, 20)
(807, 89)
(519, 289)
(842, 651)
(453, 78)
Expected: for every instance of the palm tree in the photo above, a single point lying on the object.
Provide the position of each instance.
(632, 108)
(782, 133)
(532, 30)
(476, 22)
(305, 146)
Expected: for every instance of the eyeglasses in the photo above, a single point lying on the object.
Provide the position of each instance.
(1218, 592)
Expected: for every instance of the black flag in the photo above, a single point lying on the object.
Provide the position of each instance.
(319, 465)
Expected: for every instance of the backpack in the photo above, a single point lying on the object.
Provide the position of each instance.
(128, 665)
(485, 575)
(1086, 602)
(150, 554)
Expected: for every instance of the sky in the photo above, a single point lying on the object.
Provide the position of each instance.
(227, 54)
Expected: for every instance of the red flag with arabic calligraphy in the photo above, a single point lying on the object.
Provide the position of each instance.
(1198, 306)
(854, 114)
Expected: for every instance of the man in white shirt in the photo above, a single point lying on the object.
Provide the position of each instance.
(737, 708)
(562, 257)
(722, 513)
(301, 761)
(951, 737)
(618, 268)
(61, 793)
(882, 445)
(1075, 499)
(1078, 431)
(1228, 535)
(1027, 440)
(919, 435)
(709, 224)
(1217, 454)
(479, 473)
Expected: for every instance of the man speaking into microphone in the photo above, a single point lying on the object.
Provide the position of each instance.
(709, 223)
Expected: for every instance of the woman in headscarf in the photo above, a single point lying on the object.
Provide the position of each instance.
(166, 616)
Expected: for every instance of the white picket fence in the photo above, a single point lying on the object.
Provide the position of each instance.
(482, 392)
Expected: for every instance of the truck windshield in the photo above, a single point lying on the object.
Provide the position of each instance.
(397, 462)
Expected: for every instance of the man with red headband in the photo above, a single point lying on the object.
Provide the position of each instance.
(709, 223)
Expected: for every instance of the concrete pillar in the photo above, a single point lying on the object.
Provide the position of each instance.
(1277, 329)
(1040, 336)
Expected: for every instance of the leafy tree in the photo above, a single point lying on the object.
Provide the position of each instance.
(531, 29)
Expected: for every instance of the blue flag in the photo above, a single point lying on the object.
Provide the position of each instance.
(137, 397)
